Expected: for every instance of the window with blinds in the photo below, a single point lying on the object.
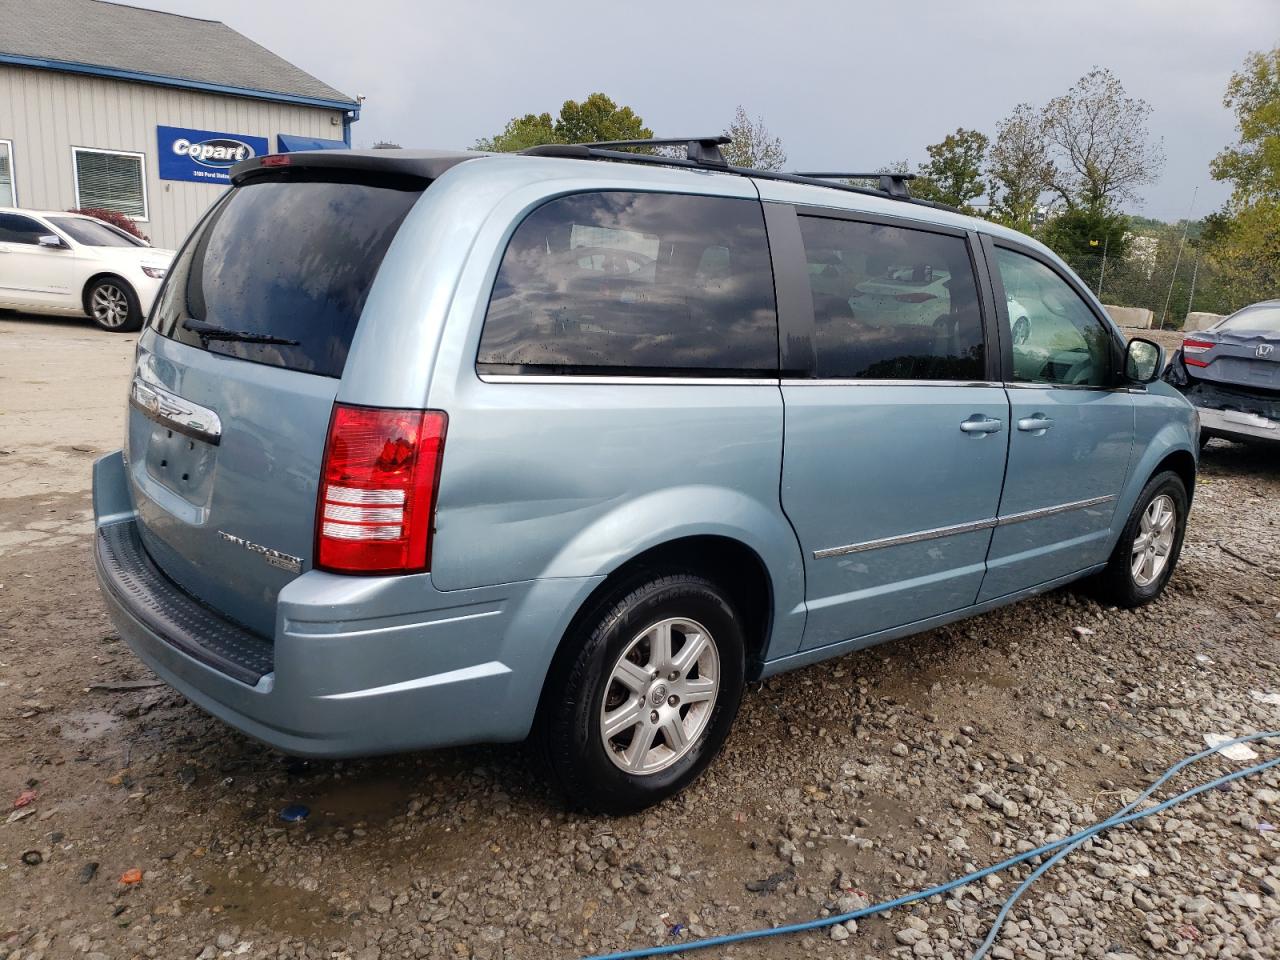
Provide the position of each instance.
(112, 181)
(7, 198)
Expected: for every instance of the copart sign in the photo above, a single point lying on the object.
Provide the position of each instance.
(204, 156)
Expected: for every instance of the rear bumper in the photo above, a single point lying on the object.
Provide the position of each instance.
(1238, 425)
(357, 665)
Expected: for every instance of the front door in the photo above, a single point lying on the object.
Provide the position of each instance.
(1072, 428)
(32, 275)
(895, 439)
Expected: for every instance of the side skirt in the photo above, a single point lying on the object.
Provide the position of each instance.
(805, 657)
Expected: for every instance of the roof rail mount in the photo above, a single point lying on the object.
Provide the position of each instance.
(703, 153)
(894, 184)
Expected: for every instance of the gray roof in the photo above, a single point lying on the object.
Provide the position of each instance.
(101, 34)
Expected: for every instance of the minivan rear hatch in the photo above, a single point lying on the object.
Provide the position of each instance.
(233, 394)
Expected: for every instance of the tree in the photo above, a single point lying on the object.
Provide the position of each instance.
(753, 146)
(595, 118)
(953, 174)
(1244, 240)
(1019, 167)
(1099, 135)
(1080, 235)
(1253, 165)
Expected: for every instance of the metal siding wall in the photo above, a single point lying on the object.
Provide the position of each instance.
(45, 114)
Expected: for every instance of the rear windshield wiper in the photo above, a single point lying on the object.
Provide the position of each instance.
(211, 331)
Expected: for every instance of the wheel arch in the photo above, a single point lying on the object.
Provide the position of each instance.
(1170, 449)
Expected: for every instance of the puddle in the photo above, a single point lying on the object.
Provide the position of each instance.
(254, 902)
(359, 801)
(85, 726)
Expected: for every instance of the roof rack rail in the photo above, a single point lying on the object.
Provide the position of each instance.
(703, 153)
(894, 184)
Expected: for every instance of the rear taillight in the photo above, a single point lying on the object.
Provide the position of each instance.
(378, 489)
(1191, 346)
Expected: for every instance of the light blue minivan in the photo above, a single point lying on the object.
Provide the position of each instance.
(433, 448)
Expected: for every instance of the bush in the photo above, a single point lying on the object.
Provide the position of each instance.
(115, 218)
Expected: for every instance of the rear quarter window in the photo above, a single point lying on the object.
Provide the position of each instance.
(286, 261)
(634, 283)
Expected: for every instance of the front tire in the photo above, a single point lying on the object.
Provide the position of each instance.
(645, 695)
(1149, 546)
(113, 306)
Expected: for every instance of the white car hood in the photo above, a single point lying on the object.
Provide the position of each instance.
(139, 256)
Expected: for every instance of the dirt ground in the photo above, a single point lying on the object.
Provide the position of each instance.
(861, 778)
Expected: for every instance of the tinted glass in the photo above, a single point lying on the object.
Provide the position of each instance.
(289, 260)
(1262, 319)
(891, 303)
(93, 233)
(635, 283)
(1056, 337)
(16, 229)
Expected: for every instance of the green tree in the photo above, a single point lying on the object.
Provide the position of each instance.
(1101, 148)
(1019, 168)
(953, 174)
(753, 146)
(1244, 240)
(1080, 236)
(595, 118)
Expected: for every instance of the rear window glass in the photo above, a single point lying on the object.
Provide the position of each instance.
(279, 271)
(635, 283)
(1260, 319)
(891, 303)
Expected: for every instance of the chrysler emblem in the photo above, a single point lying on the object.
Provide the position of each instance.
(1264, 350)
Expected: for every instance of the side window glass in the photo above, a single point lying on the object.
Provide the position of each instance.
(16, 229)
(1056, 337)
(621, 282)
(891, 303)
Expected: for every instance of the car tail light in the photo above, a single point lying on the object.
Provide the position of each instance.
(377, 490)
(1191, 346)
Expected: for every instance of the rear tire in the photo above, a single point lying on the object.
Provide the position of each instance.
(113, 306)
(1149, 546)
(645, 694)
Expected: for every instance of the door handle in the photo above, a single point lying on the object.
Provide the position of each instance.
(980, 424)
(1036, 424)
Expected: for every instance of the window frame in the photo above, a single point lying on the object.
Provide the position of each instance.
(1115, 374)
(488, 372)
(796, 323)
(13, 170)
(142, 167)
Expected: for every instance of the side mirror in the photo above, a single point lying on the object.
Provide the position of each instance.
(1143, 360)
(49, 240)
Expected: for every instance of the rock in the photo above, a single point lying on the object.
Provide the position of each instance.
(839, 933)
(380, 904)
(908, 936)
(899, 750)
(1048, 712)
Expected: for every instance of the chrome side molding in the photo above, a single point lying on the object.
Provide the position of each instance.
(958, 528)
(175, 412)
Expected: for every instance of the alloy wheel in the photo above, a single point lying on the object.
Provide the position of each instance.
(1154, 542)
(110, 305)
(660, 695)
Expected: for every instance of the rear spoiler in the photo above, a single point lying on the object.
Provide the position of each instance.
(424, 165)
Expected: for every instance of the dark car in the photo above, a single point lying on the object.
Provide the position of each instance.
(1231, 373)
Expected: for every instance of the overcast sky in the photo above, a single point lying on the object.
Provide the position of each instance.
(845, 85)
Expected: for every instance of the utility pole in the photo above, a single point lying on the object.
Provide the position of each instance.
(1178, 259)
(1194, 270)
(1106, 237)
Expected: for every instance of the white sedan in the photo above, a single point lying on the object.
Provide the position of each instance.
(67, 264)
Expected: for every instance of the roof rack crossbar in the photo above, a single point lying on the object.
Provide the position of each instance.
(704, 151)
(894, 184)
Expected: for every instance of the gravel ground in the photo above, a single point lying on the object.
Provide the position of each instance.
(854, 780)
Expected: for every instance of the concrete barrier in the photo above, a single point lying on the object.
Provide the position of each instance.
(1139, 317)
(1201, 321)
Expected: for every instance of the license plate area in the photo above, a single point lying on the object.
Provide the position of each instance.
(180, 464)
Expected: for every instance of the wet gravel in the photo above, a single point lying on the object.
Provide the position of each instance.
(849, 782)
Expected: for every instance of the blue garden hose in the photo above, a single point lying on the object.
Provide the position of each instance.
(1062, 848)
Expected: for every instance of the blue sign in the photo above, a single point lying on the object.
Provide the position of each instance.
(204, 156)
